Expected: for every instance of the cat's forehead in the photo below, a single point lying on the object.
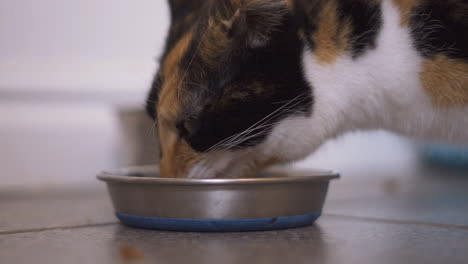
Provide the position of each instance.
(220, 29)
(194, 63)
(210, 51)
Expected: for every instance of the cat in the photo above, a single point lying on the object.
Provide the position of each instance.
(246, 84)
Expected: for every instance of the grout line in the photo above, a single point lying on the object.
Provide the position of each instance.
(32, 230)
(370, 219)
(400, 222)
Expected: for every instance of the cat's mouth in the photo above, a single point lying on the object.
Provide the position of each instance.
(211, 168)
(214, 165)
(220, 175)
(229, 164)
(182, 161)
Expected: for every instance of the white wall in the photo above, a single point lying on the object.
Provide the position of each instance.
(80, 45)
(65, 67)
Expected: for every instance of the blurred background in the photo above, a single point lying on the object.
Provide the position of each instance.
(71, 73)
(73, 80)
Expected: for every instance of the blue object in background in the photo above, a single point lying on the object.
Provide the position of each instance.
(213, 225)
(446, 155)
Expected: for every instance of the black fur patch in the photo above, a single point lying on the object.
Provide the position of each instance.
(366, 22)
(365, 17)
(441, 27)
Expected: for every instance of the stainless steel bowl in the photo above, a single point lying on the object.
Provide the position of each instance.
(277, 193)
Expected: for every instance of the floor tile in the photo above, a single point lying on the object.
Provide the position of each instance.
(331, 240)
(22, 210)
(429, 196)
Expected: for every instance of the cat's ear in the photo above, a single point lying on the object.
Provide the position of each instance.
(254, 21)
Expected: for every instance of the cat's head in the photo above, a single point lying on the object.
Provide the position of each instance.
(230, 95)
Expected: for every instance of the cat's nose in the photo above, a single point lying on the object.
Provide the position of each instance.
(188, 132)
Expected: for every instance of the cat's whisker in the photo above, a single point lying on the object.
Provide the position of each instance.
(222, 141)
(151, 101)
(233, 142)
(268, 117)
(268, 126)
(244, 139)
(192, 83)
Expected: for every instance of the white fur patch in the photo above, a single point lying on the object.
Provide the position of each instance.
(380, 89)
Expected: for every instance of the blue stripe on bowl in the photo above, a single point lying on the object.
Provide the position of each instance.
(451, 156)
(218, 225)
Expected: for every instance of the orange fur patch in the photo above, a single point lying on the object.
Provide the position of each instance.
(446, 81)
(405, 7)
(168, 103)
(178, 157)
(331, 40)
(290, 4)
(215, 40)
(169, 66)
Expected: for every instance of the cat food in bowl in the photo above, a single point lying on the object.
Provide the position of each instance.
(277, 199)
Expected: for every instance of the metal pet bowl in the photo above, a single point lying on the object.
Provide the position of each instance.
(277, 199)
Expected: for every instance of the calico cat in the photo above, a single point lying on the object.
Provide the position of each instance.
(245, 84)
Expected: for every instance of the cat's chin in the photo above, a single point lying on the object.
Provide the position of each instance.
(231, 165)
(210, 170)
(222, 164)
(200, 171)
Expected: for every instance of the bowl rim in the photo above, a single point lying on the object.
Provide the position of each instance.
(308, 175)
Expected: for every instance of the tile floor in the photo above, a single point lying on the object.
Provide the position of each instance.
(422, 218)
